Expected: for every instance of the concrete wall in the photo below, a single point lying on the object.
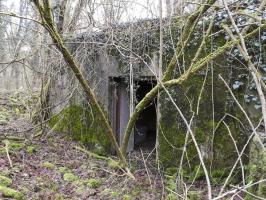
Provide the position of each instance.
(100, 71)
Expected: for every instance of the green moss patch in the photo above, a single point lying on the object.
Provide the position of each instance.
(170, 183)
(194, 195)
(171, 196)
(48, 165)
(63, 169)
(93, 183)
(10, 193)
(127, 197)
(4, 181)
(82, 125)
(115, 194)
(30, 149)
(113, 164)
(2, 150)
(13, 145)
(70, 177)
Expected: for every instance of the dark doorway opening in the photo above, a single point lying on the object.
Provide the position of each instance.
(145, 128)
(144, 136)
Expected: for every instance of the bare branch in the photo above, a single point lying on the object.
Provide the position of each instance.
(21, 17)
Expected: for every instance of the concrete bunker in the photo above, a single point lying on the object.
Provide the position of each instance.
(108, 73)
(144, 135)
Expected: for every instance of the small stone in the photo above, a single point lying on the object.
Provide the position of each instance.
(62, 169)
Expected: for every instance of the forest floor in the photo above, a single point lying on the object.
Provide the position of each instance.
(37, 163)
(50, 167)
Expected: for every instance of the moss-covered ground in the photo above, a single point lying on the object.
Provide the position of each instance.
(51, 167)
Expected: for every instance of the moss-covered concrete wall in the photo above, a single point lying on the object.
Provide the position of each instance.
(215, 143)
(205, 97)
(99, 64)
(81, 124)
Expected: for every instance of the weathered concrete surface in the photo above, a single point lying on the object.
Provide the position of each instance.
(100, 74)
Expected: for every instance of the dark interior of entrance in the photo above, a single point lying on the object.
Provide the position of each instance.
(145, 129)
(144, 136)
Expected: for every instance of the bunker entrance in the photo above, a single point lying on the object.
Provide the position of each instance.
(145, 128)
(144, 135)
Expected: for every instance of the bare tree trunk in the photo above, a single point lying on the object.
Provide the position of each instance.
(168, 7)
(60, 11)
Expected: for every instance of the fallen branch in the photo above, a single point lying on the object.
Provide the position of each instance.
(12, 138)
(21, 17)
(93, 155)
(249, 193)
(107, 159)
(7, 153)
(238, 189)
